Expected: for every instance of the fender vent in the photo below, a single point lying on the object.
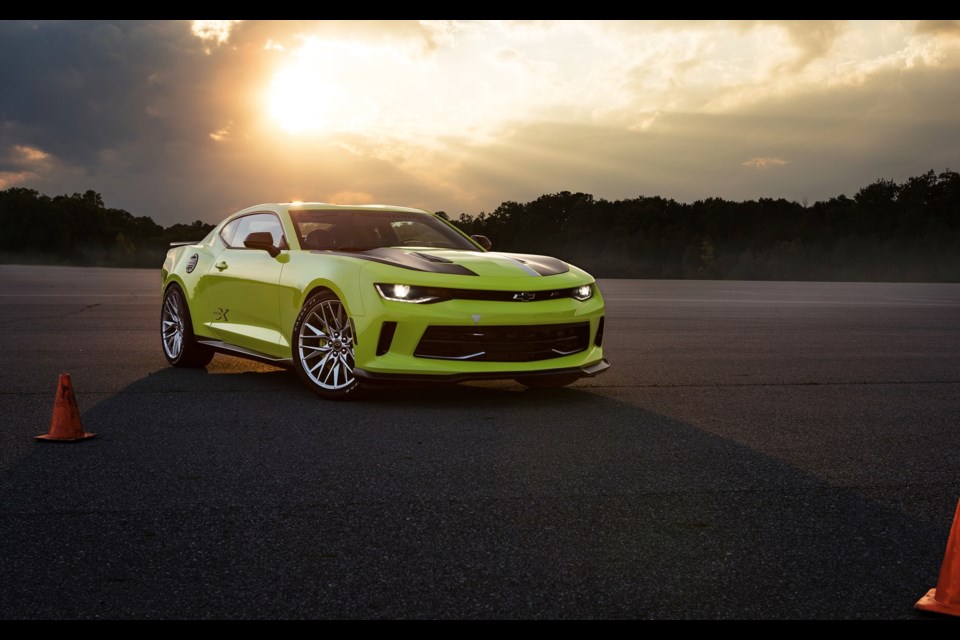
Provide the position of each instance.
(192, 263)
(386, 337)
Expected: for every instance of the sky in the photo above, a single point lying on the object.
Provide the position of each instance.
(188, 120)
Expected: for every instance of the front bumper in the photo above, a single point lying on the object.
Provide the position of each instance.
(587, 371)
(394, 355)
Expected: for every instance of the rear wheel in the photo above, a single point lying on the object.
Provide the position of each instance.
(548, 382)
(323, 349)
(176, 332)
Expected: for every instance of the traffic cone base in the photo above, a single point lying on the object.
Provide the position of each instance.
(49, 438)
(945, 598)
(929, 603)
(65, 425)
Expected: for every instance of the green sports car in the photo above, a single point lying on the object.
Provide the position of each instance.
(352, 295)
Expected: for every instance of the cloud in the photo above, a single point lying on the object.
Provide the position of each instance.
(644, 120)
(75, 88)
(648, 66)
(460, 116)
(222, 134)
(13, 178)
(894, 125)
(24, 156)
(29, 155)
(213, 31)
(423, 37)
(850, 54)
(764, 163)
(939, 27)
(22, 163)
(813, 39)
(352, 197)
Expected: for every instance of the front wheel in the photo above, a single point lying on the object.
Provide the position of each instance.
(323, 346)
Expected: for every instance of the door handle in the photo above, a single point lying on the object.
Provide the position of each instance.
(221, 265)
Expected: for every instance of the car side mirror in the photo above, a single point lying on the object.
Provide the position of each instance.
(261, 240)
(483, 241)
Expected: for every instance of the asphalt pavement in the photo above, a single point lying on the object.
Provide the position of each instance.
(758, 450)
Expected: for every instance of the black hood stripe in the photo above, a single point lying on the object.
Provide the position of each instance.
(404, 260)
(544, 265)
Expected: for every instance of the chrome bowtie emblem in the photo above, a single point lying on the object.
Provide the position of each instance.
(524, 297)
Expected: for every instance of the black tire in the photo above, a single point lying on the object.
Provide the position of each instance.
(180, 348)
(323, 348)
(548, 382)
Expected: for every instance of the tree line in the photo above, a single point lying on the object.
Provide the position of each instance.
(80, 230)
(888, 231)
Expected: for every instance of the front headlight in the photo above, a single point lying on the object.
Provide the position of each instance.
(583, 293)
(411, 293)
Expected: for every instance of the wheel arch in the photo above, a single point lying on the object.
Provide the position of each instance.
(321, 285)
(320, 288)
(173, 279)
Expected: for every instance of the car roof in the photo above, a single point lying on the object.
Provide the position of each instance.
(326, 206)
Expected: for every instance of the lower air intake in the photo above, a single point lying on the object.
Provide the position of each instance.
(523, 343)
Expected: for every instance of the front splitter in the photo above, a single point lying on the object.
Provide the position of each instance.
(589, 370)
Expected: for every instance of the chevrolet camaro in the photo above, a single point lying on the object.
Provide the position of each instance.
(349, 296)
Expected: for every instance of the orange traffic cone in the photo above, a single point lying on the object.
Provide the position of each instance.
(65, 424)
(946, 597)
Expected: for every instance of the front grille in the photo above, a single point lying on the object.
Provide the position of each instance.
(523, 343)
(511, 296)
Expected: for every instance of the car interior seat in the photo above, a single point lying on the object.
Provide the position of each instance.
(319, 240)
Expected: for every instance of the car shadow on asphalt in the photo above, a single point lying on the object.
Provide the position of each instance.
(267, 379)
(238, 493)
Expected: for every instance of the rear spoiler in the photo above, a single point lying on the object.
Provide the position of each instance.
(182, 244)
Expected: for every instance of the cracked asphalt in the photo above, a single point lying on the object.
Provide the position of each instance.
(758, 450)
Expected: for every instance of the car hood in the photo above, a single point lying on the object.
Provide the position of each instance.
(466, 263)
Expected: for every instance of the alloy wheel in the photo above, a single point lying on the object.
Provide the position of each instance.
(325, 346)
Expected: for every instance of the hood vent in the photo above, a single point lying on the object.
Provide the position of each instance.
(430, 258)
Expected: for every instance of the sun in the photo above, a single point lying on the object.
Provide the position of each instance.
(302, 100)
(320, 88)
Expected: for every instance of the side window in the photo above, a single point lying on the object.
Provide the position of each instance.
(229, 231)
(258, 222)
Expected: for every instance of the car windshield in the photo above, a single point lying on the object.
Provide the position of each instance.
(362, 230)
